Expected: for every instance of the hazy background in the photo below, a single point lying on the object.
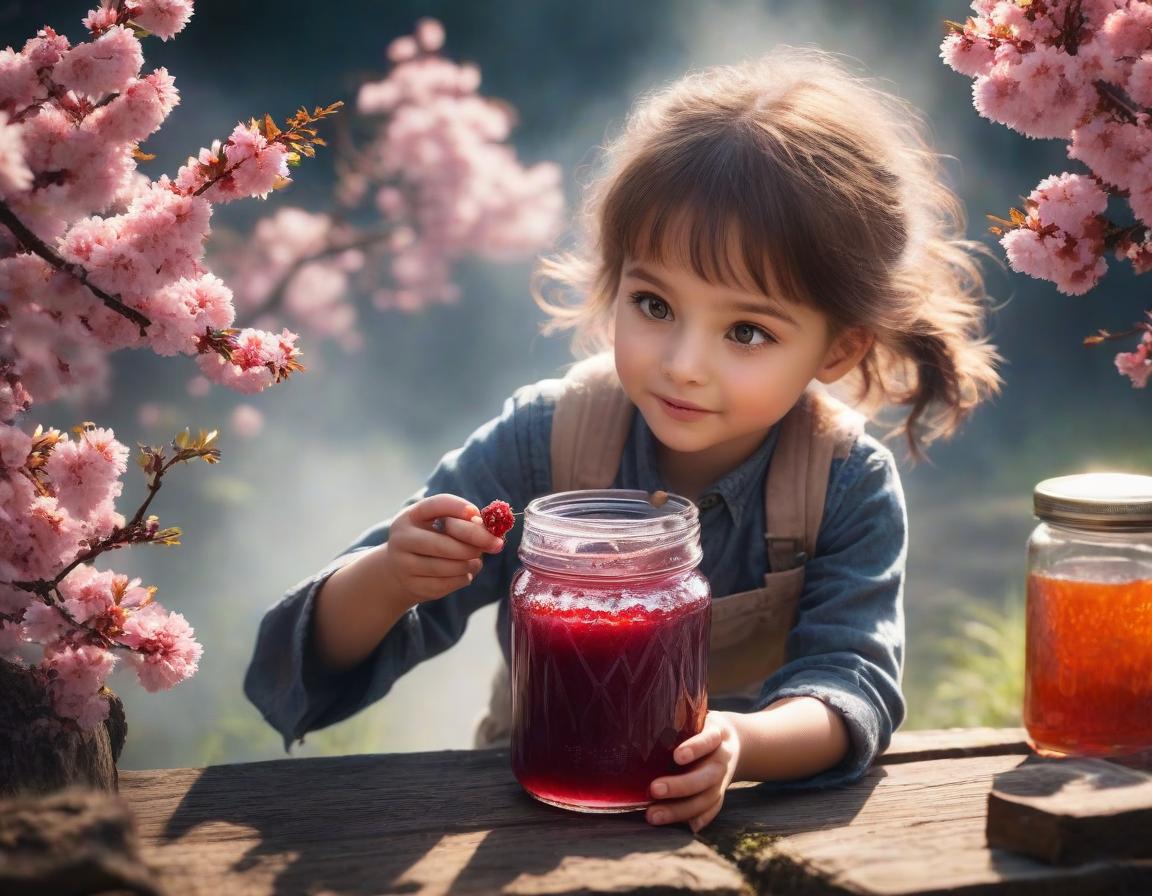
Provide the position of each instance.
(347, 442)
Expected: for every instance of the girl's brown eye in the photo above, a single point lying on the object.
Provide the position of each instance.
(650, 305)
(744, 333)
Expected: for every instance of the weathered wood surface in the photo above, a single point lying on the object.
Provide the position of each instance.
(401, 823)
(947, 743)
(458, 822)
(1072, 811)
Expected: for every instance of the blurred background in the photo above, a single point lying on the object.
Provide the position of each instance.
(345, 443)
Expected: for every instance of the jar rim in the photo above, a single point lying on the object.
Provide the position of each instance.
(634, 514)
(1100, 501)
(601, 533)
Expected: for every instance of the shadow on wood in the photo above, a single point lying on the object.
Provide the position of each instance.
(371, 824)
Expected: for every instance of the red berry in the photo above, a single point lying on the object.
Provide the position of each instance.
(498, 518)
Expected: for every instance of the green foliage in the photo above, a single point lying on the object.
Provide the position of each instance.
(243, 736)
(977, 675)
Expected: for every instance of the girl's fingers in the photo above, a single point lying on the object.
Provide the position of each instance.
(689, 784)
(682, 810)
(426, 543)
(424, 511)
(702, 821)
(440, 568)
(470, 532)
(698, 745)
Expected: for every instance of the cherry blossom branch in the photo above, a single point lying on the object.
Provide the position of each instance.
(1105, 336)
(137, 530)
(37, 246)
(278, 293)
(299, 139)
(1119, 100)
(101, 639)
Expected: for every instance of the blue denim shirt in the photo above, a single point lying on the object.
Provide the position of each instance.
(845, 649)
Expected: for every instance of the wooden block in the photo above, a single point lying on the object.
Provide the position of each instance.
(1071, 810)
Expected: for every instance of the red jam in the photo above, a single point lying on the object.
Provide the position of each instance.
(608, 678)
(1088, 684)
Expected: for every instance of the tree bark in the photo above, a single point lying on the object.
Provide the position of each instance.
(72, 842)
(41, 754)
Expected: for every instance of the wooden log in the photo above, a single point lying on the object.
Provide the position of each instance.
(1072, 810)
(71, 842)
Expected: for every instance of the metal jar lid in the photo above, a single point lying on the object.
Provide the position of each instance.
(1103, 501)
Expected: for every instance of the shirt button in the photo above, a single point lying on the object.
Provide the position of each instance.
(709, 501)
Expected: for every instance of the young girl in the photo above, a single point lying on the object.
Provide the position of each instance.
(757, 233)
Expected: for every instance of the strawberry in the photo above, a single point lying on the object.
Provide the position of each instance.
(498, 518)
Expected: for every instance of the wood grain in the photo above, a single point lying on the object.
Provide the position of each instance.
(945, 743)
(409, 823)
(458, 822)
(908, 828)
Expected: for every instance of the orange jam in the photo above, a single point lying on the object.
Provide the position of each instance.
(1088, 684)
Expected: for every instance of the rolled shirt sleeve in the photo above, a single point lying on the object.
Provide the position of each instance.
(847, 645)
(503, 459)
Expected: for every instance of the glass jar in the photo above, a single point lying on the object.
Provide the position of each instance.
(1088, 662)
(610, 629)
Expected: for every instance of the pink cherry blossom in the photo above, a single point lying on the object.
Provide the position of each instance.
(968, 53)
(259, 360)
(1128, 29)
(1086, 78)
(1137, 365)
(138, 111)
(166, 652)
(87, 472)
(1072, 202)
(104, 65)
(77, 676)
(15, 176)
(164, 18)
(182, 311)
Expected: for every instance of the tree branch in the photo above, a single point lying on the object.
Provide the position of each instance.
(38, 247)
(277, 294)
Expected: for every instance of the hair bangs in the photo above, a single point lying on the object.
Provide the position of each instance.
(717, 211)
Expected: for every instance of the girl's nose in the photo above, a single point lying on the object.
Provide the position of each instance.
(685, 360)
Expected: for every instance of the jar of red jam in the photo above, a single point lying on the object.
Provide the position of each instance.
(610, 628)
(1088, 663)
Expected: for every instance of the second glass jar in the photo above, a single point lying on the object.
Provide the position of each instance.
(1088, 675)
(610, 629)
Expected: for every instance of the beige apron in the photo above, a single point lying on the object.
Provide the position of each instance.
(590, 427)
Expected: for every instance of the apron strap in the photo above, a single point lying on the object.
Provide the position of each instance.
(818, 429)
(590, 425)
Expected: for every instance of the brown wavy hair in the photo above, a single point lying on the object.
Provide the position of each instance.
(824, 187)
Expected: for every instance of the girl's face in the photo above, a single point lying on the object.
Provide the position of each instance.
(713, 367)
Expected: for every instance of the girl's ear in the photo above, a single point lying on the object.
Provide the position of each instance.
(846, 351)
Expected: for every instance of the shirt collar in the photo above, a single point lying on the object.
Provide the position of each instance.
(738, 489)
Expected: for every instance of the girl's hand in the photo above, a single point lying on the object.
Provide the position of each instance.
(697, 795)
(435, 545)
